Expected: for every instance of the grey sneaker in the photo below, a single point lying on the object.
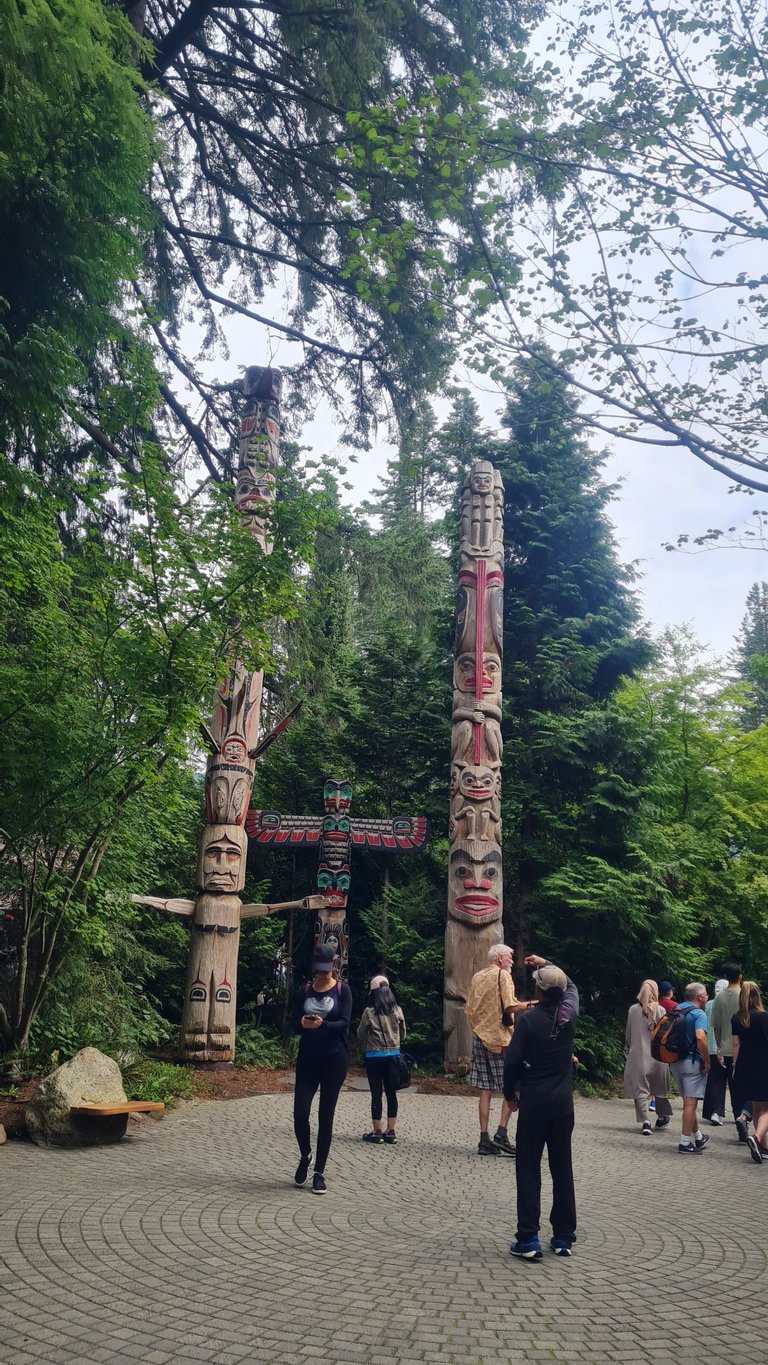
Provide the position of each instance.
(741, 1127)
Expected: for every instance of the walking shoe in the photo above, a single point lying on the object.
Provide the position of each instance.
(687, 1148)
(502, 1142)
(716, 1121)
(302, 1170)
(662, 1122)
(702, 1142)
(527, 1251)
(645, 1131)
(755, 1150)
(318, 1184)
(561, 1246)
(741, 1127)
(652, 1106)
(373, 1137)
(486, 1148)
(390, 1139)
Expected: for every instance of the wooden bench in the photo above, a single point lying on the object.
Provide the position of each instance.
(105, 1111)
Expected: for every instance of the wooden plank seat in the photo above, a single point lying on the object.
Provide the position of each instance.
(108, 1110)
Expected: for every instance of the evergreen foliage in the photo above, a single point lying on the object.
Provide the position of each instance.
(751, 656)
(572, 773)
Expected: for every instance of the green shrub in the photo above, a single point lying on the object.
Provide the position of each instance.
(599, 1046)
(147, 1079)
(256, 1046)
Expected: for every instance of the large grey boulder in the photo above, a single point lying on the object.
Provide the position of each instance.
(89, 1078)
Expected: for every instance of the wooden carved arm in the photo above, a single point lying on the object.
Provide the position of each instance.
(307, 903)
(172, 906)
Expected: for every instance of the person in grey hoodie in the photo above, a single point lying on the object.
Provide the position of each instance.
(381, 1032)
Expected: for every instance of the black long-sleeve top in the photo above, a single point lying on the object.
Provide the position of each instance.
(335, 1008)
(538, 1060)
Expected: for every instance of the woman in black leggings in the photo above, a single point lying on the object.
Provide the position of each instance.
(381, 1032)
(321, 1014)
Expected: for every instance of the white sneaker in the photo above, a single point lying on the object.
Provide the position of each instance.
(716, 1121)
(645, 1131)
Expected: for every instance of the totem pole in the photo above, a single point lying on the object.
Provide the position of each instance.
(336, 833)
(474, 857)
(208, 1019)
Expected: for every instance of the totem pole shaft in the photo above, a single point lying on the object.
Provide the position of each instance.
(208, 1017)
(475, 895)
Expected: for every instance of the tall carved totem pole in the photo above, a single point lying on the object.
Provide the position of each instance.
(475, 888)
(208, 1019)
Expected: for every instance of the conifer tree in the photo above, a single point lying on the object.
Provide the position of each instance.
(751, 656)
(571, 634)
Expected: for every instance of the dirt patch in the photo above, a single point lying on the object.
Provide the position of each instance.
(228, 1083)
(441, 1085)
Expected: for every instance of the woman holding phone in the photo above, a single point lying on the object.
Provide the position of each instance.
(321, 1014)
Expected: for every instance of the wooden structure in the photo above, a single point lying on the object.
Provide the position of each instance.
(208, 1018)
(108, 1111)
(336, 833)
(475, 895)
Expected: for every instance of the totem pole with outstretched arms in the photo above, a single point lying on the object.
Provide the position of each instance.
(474, 855)
(208, 1018)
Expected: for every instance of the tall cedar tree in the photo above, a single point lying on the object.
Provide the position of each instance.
(570, 636)
(751, 656)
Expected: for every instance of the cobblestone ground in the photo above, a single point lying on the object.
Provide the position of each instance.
(189, 1242)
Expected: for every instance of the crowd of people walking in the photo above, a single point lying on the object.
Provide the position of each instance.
(523, 1051)
(722, 1048)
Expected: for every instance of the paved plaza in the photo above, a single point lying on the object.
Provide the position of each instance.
(189, 1242)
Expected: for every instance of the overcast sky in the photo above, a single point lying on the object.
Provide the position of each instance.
(663, 493)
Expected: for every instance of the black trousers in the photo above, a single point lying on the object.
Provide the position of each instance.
(382, 1072)
(327, 1074)
(533, 1134)
(714, 1095)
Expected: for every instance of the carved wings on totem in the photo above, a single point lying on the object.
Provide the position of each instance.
(402, 833)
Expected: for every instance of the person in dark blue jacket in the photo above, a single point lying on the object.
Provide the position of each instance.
(538, 1082)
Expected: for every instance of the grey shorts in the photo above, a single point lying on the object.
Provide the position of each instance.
(689, 1078)
(486, 1070)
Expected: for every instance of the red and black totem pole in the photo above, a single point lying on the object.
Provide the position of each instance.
(336, 833)
(475, 882)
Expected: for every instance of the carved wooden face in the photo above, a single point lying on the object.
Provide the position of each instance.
(465, 674)
(334, 883)
(481, 480)
(337, 796)
(475, 882)
(478, 783)
(221, 863)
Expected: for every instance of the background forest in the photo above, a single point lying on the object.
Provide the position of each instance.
(358, 179)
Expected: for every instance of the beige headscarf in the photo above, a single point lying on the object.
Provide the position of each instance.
(648, 996)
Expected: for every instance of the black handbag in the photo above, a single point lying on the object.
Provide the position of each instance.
(403, 1069)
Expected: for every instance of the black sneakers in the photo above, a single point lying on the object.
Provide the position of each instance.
(486, 1148)
(318, 1184)
(663, 1122)
(302, 1170)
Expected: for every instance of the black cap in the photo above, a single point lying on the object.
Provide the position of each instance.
(323, 958)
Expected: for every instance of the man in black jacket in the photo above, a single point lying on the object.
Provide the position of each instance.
(538, 1080)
